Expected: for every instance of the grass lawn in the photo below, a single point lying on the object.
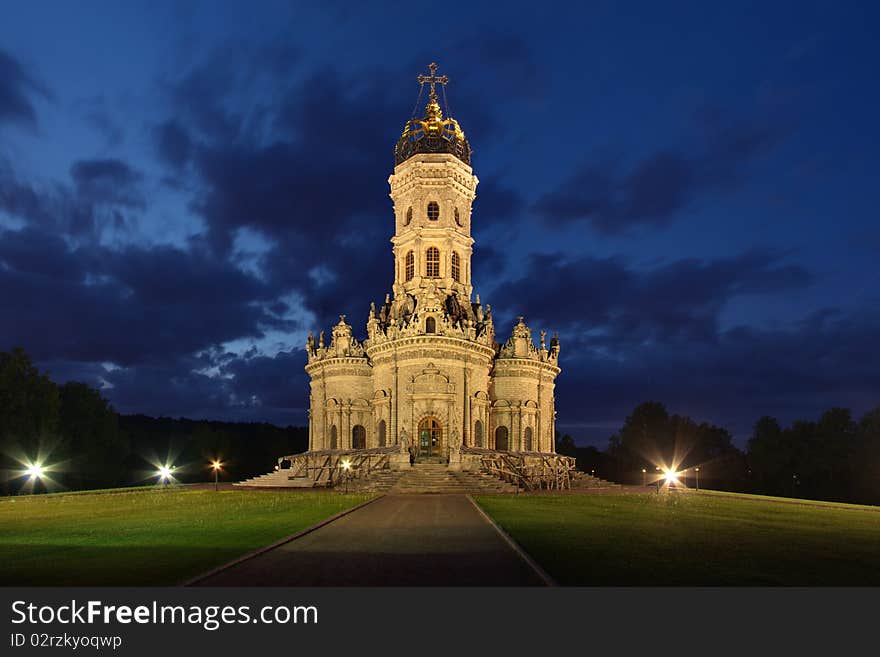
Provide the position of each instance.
(147, 536)
(687, 539)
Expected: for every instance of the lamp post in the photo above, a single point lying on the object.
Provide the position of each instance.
(34, 472)
(346, 468)
(657, 468)
(164, 473)
(216, 466)
(697, 474)
(644, 477)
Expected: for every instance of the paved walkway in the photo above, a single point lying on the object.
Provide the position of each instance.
(399, 540)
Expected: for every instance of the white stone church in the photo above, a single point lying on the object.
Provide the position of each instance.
(431, 379)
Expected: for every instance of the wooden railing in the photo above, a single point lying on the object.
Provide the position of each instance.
(328, 467)
(527, 470)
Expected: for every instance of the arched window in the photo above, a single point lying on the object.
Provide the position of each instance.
(433, 211)
(457, 217)
(410, 265)
(456, 267)
(432, 262)
(430, 325)
(381, 431)
(358, 437)
(527, 439)
(408, 216)
(478, 434)
(501, 438)
(333, 440)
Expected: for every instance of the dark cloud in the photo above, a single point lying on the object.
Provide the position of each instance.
(653, 191)
(107, 181)
(17, 90)
(741, 374)
(618, 304)
(131, 306)
(173, 144)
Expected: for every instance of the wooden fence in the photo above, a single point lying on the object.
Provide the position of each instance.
(331, 467)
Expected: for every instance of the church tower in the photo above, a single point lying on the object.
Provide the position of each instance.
(433, 188)
(430, 379)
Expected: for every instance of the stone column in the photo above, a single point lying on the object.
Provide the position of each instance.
(348, 425)
(519, 426)
(394, 410)
(538, 436)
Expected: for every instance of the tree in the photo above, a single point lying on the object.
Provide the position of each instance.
(565, 445)
(29, 409)
(95, 446)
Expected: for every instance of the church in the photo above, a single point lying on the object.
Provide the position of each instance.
(432, 378)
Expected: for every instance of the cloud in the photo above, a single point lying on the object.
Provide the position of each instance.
(618, 304)
(657, 188)
(17, 91)
(741, 374)
(107, 181)
(132, 306)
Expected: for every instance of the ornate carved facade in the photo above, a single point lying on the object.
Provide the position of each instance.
(430, 373)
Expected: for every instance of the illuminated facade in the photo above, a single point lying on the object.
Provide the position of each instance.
(430, 376)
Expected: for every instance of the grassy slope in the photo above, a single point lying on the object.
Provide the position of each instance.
(146, 537)
(693, 539)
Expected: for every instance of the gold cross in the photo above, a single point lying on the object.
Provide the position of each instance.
(433, 79)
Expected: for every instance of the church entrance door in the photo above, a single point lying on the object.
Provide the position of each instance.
(430, 437)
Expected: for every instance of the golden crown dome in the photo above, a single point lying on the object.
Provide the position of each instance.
(432, 133)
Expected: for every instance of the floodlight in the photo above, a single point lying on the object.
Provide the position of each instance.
(346, 464)
(671, 476)
(164, 472)
(34, 471)
(216, 464)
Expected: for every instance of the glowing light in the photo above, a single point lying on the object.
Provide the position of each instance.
(216, 464)
(34, 471)
(671, 476)
(346, 465)
(164, 472)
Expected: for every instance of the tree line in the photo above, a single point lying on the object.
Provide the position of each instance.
(74, 431)
(835, 457)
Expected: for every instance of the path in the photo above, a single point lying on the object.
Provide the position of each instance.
(398, 540)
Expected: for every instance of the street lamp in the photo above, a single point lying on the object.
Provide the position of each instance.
(346, 468)
(34, 471)
(164, 473)
(657, 468)
(215, 464)
(644, 477)
(697, 472)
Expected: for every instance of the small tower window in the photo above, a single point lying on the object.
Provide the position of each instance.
(410, 266)
(456, 267)
(408, 216)
(478, 434)
(333, 437)
(433, 211)
(457, 217)
(432, 262)
(430, 325)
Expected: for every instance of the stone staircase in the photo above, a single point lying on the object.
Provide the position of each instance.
(436, 477)
(584, 481)
(276, 479)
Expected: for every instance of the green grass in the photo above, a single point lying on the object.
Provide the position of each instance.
(686, 539)
(146, 537)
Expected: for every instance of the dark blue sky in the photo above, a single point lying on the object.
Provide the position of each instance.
(685, 191)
